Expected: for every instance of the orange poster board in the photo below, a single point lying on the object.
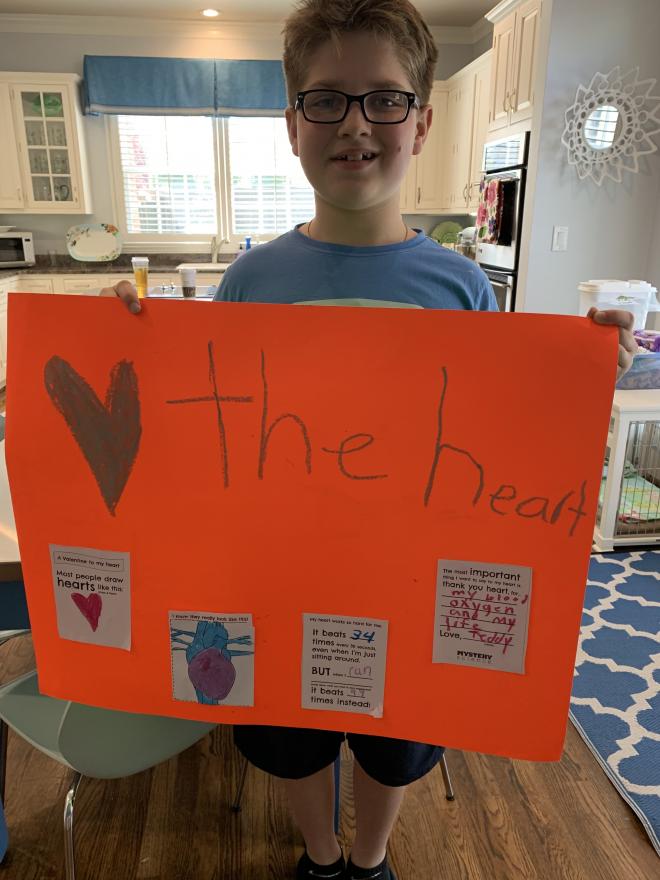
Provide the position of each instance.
(261, 463)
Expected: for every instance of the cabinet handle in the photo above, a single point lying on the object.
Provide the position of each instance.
(469, 195)
(514, 107)
(419, 194)
(506, 103)
(19, 193)
(465, 193)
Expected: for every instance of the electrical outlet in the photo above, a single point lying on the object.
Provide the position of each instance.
(560, 238)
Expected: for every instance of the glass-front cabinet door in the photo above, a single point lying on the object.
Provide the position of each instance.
(49, 147)
(47, 142)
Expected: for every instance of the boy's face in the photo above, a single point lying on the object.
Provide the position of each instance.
(366, 62)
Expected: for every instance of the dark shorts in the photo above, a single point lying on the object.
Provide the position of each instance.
(293, 753)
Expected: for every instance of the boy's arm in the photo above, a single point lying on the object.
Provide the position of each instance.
(627, 345)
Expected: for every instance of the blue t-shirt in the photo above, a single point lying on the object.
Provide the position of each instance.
(417, 273)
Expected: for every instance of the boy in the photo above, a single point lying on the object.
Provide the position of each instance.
(359, 75)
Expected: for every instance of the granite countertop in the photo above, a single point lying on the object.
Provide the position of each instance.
(65, 265)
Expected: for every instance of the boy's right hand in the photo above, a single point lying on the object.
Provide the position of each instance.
(126, 293)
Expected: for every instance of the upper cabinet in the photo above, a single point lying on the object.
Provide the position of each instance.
(42, 136)
(422, 188)
(482, 76)
(11, 186)
(445, 177)
(465, 134)
(515, 50)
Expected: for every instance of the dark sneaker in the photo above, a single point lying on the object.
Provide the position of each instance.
(309, 870)
(380, 872)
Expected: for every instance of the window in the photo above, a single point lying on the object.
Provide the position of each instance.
(269, 190)
(191, 177)
(168, 171)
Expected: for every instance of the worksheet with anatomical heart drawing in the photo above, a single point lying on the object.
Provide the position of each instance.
(212, 658)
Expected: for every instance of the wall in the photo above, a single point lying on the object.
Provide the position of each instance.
(611, 227)
(483, 45)
(63, 53)
(653, 264)
(452, 57)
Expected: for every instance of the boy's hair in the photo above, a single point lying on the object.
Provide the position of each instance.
(313, 22)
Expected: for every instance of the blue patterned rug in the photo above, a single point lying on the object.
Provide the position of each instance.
(615, 704)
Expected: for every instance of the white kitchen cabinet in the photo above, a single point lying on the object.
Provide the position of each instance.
(80, 284)
(422, 188)
(3, 336)
(409, 189)
(464, 135)
(479, 127)
(34, 284)
(48, 143)
(430, 167)
(6, 284)
(11, 187)
(525, 51)
(515, 50)
(126, 276)
(457, 142)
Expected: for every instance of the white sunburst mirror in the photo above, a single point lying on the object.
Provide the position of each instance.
(611, 124)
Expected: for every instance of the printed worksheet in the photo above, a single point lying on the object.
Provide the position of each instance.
(482, 614)
(92, 595)
(343, 664)
(212, 657)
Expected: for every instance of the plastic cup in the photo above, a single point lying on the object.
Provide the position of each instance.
(188, 282)
(141, 274)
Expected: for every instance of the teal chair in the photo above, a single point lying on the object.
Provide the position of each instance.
(99, 743)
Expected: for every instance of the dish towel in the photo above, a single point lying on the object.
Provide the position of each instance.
(489, 213)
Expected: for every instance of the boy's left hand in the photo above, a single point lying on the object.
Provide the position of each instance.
(627, 345)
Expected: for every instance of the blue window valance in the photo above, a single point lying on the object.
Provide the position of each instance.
(122, 84)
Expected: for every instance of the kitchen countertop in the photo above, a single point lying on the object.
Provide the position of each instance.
(98, 269)
(65, 265)
(72, 270)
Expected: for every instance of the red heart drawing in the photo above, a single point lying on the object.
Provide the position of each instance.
(90, 607)
(108, 433)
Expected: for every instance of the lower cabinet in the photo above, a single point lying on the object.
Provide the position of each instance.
(80, 284)
(4, 292)
(33, 284)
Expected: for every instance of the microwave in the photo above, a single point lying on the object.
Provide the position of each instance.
(16, 249)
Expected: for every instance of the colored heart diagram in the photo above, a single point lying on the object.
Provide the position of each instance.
(90, 607)
(107, 433)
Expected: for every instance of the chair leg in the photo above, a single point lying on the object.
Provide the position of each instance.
(449, 791)
(236, 806)
(4, 734)
(69, 863)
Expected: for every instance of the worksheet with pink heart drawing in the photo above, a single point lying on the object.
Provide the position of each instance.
(92, 595)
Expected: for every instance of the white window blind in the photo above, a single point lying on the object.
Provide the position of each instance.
(168, 174)
(168, 167)
(269, 192)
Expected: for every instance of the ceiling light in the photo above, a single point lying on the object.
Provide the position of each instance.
(210, 13)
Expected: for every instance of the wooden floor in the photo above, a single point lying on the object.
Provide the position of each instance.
(511, 820)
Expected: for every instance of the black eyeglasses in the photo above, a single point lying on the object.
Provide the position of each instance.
(382, 107)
